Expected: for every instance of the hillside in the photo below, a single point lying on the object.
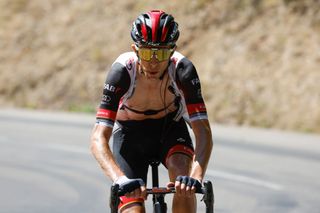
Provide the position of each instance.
(258, 60)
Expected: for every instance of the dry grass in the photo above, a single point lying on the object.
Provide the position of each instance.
(258, 59)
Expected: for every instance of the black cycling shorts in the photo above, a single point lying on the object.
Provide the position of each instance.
(136, 143)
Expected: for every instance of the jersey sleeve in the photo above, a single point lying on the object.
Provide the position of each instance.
(116, 85)
(188, 81)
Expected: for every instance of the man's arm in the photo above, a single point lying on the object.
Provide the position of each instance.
(101, 151)
(203, 148)
(189, 82)
(116, 85)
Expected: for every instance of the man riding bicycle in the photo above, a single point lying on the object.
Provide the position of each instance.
(150, 94)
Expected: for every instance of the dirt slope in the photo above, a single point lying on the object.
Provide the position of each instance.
(258, 59)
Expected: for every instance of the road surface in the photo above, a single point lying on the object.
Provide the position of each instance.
(46, 166)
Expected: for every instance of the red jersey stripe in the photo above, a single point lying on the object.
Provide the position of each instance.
(195, 108)
(107, 114)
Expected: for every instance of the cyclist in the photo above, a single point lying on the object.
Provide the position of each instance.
(150, 94)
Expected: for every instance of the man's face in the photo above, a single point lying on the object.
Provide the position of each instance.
(154, 61)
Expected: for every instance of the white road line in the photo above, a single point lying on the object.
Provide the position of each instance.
(244, 179)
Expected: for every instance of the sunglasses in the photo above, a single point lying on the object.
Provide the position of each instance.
(161, 54)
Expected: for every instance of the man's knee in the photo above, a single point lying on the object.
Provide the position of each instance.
(178, 164)
(184, 204)
(180, 151)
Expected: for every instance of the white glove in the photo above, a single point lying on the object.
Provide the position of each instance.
(128, 185)
(121, 180)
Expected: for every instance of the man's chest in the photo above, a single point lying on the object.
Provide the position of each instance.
(151, 95)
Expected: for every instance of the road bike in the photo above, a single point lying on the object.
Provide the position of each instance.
(158, 193)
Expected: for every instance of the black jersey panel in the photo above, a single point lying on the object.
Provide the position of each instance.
(116, 85)
(188, 81)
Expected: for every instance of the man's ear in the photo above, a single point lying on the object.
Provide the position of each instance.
(134, 48)
(173, 50)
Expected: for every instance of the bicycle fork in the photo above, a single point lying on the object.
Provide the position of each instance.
(158, 199)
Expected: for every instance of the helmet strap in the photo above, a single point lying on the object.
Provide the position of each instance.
(163, 74)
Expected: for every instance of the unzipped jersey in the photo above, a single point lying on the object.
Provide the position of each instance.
(121, 80)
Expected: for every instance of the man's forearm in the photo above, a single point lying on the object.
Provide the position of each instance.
(101, 151)
(203, 150)
(200, 161)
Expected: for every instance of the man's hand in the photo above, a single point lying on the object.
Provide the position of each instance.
(131, 188)
(187, 186)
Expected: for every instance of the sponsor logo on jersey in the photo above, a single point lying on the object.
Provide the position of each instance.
(106, 99)
(174, 60)
(109, 87)
(129, 63)
(199, 93)
(181, 140)
(195, 81)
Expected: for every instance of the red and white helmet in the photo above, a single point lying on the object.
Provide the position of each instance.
(155, 28)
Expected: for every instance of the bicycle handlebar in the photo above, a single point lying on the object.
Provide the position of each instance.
(170, 190)
(161, 190)
(206, 190)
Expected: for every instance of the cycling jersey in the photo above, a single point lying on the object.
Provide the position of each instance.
(120, 83)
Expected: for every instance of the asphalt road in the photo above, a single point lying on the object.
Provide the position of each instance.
(46, 166)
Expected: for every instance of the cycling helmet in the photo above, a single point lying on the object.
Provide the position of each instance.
(155, 28)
